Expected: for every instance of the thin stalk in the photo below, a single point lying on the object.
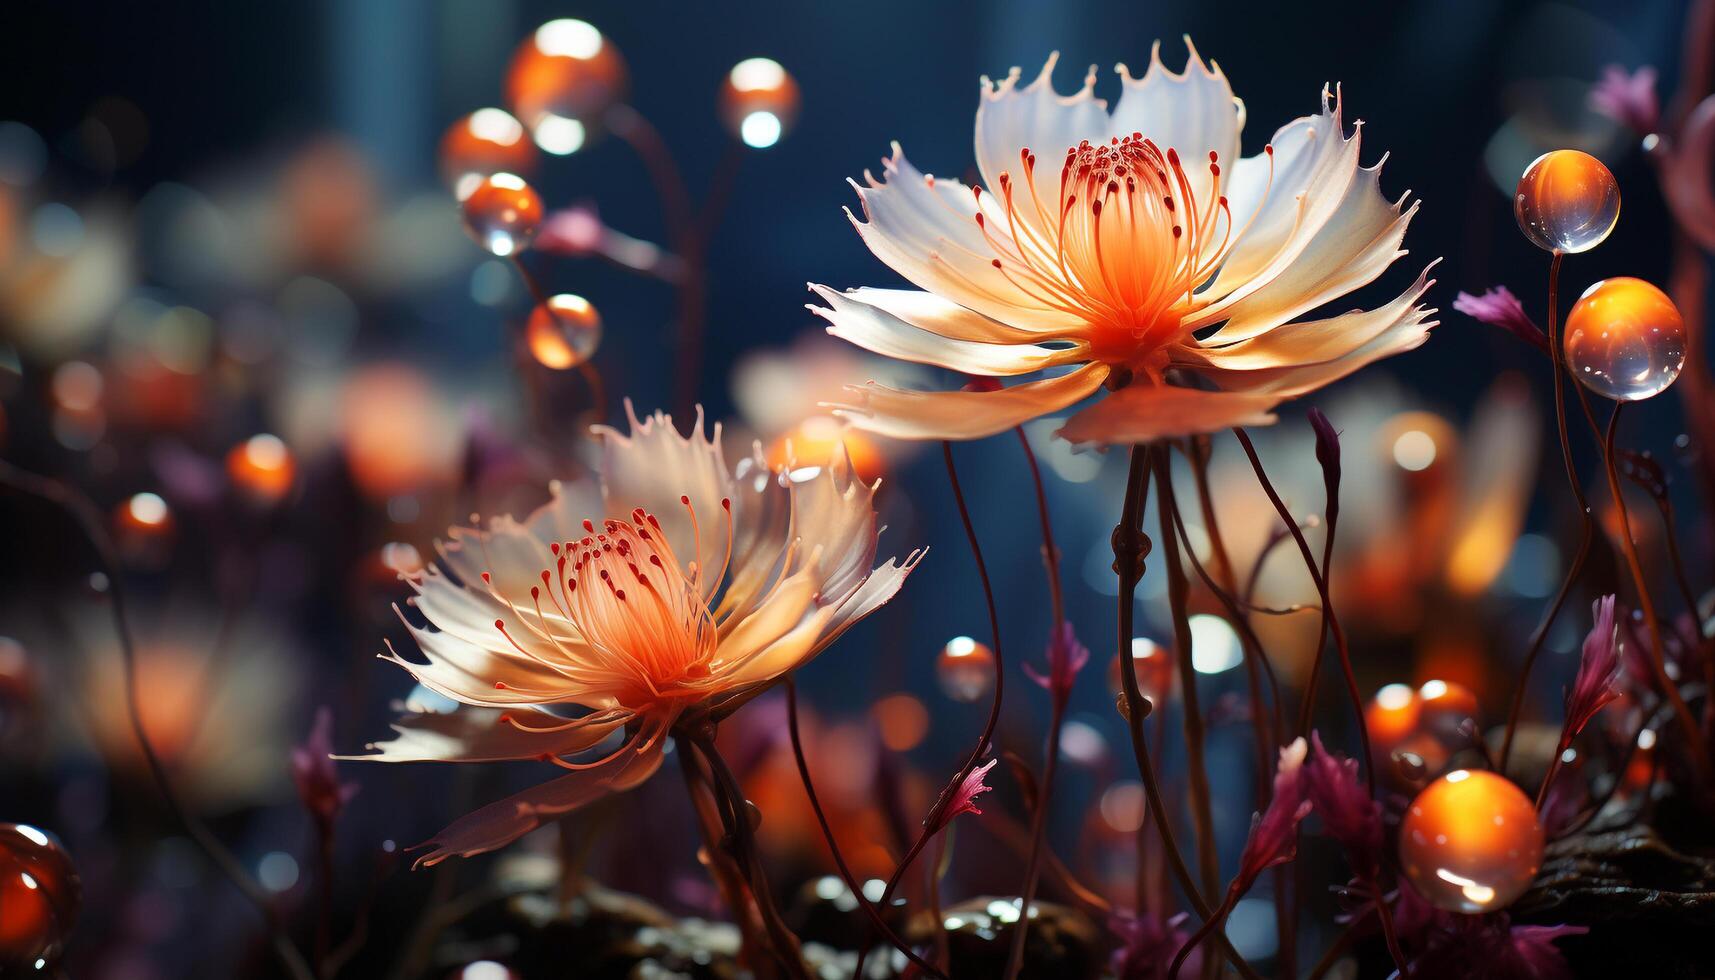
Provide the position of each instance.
(1321, 581)
(846, 875)
(1050, 765)
(1130, 546)
(1197, 771)
(79, 507)
(1658, 650)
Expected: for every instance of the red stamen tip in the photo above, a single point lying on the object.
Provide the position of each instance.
(500, 685)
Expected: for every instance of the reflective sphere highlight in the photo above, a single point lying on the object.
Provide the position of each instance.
(1567, 201)
(1471, 842)
(1625, 339)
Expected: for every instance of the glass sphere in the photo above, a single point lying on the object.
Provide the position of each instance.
(1471, 842)
(965, 669)
(1391, 717)
(40, 896)
(503, 213)
(1567, 202)
(1446, 707)
(562, 78)
(261, 468)
(563, 332)
(488, 141)
(759, 102)
(1151, 664)
(1625, 339)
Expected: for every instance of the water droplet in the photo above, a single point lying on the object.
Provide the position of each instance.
(1567, 201)
(965, 669)
(503, 213)
(563, 332)
(562, 78)
(759, 102)
(1625, 339)
(486, 142)
(40, 892)
(1471, 842)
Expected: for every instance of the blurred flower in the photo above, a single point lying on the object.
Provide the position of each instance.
(1598, 680)
(638, 624)
(1628, 98)
(315, 775)
(1274, 836)
(1498, 307)
(1150, 229)
(1343, 802)
(964, 796)
(1066, 656)
(1147, 945)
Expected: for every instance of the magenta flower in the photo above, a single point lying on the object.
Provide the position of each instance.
(1628, 98)
(1147, 944)
(1598, 680)
(315, 775)
(1498, 307)
(964, 796)
(1348, 814)
(1274, 836)
(1066, 657)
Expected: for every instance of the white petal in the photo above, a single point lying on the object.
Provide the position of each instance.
(964, 414)
(876, 330)
(1011, 119)
(1144, 413)
(478, 735)
(1193, 112)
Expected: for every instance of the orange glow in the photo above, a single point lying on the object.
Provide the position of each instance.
(488, 141)
(503, 213)
(395, 441)
(1151, 664)
(40, 892)
(1625, 339)
(1567, 202)
(565, 70)
(815, 441)
(965, 669)
(563, 332)
(759, 101)
(1392, 716)
(1471, 842)
(1446, 704)
(261, 468)
(143, 525)
(902, 720)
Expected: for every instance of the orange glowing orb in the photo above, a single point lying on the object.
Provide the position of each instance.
(1446, 708)
(261, 468)
(1392, 716)
(816, 440)
(902, 720)
(563, 332)
(40, 896)
(1625, 339)
(1151, 664)
(486, 142)
(503, 213)
(1471, 842)
(759, 102)
(965, 669)
(562, 78)
(1567, 202)
(143, 517)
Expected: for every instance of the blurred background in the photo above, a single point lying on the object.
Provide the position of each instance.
(239, 310)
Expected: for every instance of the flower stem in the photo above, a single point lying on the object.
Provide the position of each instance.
(1658, 651)
(1321, 581)
(1050, 765)
(846, 875)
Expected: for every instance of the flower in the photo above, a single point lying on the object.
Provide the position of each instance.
(1153, 261)
(1498, 307)
(1274, 835)
(1598, 680)
(703, 585)
(1348, 813)
(1147, 945)
(313, 772)
(1066, 657)
(1627, 97)
(964, 795)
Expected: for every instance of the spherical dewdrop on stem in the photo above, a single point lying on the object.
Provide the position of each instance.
(1625, 339)
(1471, 842)
(1567, 201)
(488, 141)
(965, 669)
(759, 102)
(561, 80)
(563, 332)
(503, 213)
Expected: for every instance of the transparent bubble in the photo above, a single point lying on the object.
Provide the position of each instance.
(562, 78)
(563, 332)
(488, 141)
(965, 669)
(503, 213)
(1567, 201)
(759, 102)
(1625, 339)
(1471, 842)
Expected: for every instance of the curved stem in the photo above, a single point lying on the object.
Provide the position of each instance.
(1202, 933)
(73, 502)
(846, 875)
(1050, 551)
(1321, 581)
(1658, 650)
